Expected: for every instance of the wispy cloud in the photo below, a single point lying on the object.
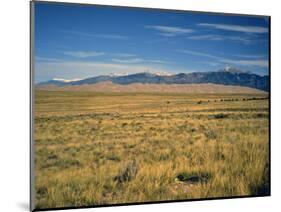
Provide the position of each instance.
(214, 37)
(115, 57)
(169, 31)
(123, 55)
(112, 36)
(137, 60)
(83, 69)
(106, 36)
(206, 37)
(236, 28)
(241, 39)
(244, 62)
(46, 59)
(250, 56)
(259, 63)
(201, 54)
(132, 60)
(83, 54)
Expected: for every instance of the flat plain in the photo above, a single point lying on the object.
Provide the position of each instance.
(95, 148)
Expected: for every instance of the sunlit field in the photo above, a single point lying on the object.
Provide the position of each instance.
(111, 148)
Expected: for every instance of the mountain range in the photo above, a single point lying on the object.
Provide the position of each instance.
(226, 76)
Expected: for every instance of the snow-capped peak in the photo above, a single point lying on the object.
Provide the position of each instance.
(162, 73)
(119, 74)
(66, 80)
(158, 73)
(228, 68)
(234, 70)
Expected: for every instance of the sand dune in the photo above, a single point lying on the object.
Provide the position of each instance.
(166, 88)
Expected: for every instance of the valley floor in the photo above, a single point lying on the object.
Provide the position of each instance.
(111, 148)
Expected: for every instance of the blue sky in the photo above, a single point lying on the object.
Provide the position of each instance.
(78, 41)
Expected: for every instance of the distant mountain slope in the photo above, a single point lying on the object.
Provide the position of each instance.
(227, 76)
(108, 86)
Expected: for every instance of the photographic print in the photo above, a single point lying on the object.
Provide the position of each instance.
(135, 105)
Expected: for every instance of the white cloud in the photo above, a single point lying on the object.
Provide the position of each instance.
(111, 36)
(106, 36)
(260, 63)
(206, 37)
(157, 61)
(46, 59)
(169, 31)
(250, 56)
(236, 28)
(213, 37)
(199, 54)
(45, 70)
(137, 60)
(123, 55)
(132, 60)
(83, 54)
(251, 62)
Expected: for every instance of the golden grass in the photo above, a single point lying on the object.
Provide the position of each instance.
(86, 143)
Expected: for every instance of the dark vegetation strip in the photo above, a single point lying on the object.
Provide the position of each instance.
(233, 100)
(237, 116)
(75, 117)
(230, 110)
(253, 113)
